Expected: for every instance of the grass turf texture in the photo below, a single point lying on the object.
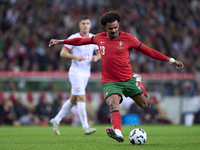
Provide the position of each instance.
(159, 137)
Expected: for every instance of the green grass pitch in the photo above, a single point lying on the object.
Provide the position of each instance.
(159, 137)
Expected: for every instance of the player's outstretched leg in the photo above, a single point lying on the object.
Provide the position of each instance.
(115, 134)
(55, 126)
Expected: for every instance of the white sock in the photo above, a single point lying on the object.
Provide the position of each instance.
(82, 114)
(65, 109)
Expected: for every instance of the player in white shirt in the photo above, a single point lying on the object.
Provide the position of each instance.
(79, 73)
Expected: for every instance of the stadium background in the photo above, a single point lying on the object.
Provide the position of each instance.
(28, 65)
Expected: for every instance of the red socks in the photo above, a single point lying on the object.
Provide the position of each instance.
(116, 119)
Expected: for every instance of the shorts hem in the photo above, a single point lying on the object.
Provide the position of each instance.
(136, 94)
(114, 94)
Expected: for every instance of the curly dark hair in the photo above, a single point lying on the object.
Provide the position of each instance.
(110, 17)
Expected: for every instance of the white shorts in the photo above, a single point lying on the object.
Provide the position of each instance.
(78, 84)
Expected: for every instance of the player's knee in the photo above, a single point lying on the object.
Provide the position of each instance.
(112, 105)
(81, 98)
(113, 102)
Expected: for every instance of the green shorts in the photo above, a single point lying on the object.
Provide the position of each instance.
(128, 88)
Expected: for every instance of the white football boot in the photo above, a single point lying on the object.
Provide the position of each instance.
(115, 134)
(55, 126)
(89, 131)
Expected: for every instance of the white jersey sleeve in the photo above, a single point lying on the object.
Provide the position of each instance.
(81, 68)
(69, 47)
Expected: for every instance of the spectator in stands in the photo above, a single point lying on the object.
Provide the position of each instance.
(31, 107)
(6, 115)
(2, 98)
(57, 104)
(22, 112)
(17, 55)
(30, 104)
(43, 110)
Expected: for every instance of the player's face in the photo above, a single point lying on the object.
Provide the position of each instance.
(85, 26)
(112, 29)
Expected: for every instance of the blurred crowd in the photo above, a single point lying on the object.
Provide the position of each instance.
(15, 111)
(38, 110)
(171, 27)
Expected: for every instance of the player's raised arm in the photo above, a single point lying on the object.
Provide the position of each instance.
(55, 42)
(159, 56)
(73, 41)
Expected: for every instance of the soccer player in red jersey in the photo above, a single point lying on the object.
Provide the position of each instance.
(117, 74)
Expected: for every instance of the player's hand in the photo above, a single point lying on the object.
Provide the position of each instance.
(53, 42)
(178, 64)
(79, 58)
(94, 58)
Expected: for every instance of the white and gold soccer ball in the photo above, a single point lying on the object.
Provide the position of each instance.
(138, 136)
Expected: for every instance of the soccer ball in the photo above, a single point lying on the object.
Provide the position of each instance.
(138, 136)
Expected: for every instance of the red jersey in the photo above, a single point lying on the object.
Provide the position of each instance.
(115, 56)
